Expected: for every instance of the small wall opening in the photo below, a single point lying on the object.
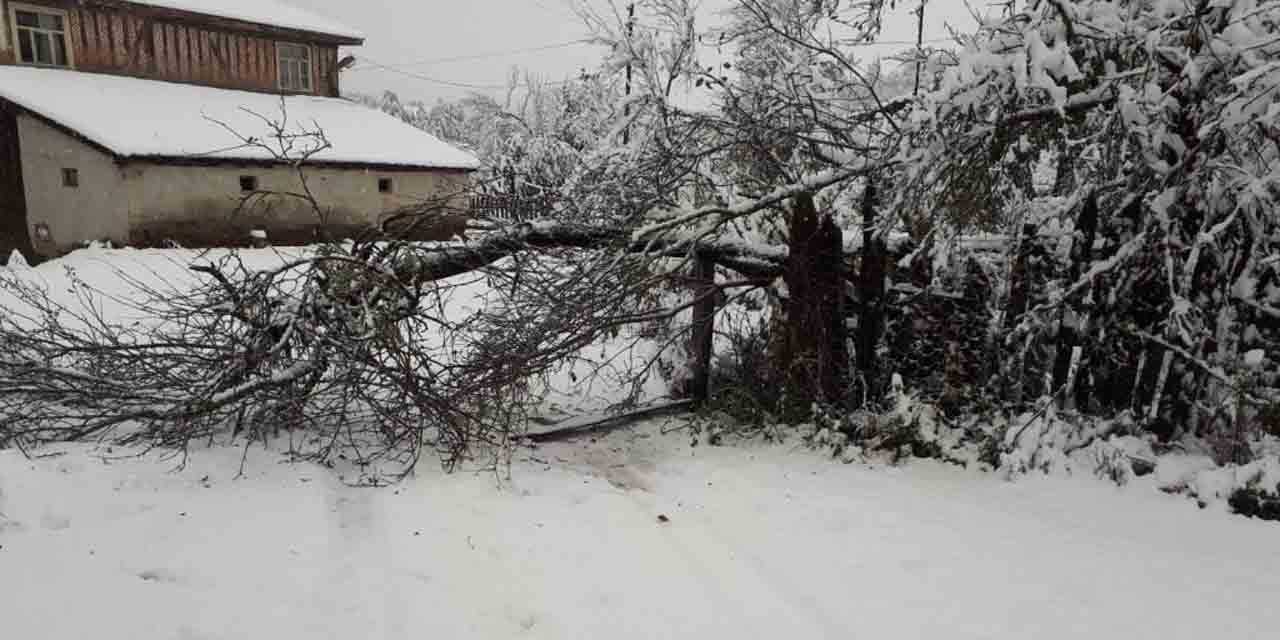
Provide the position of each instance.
(70, 178)
(385, 185)
(248, 183)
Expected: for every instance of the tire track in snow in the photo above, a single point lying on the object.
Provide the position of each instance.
(727, 570)
(358, 541)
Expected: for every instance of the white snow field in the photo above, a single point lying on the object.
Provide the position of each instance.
(759, 542)
(630, 534)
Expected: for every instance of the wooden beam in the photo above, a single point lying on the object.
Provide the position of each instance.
(585, 425)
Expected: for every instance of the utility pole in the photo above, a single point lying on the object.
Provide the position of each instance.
(631, 26)
(919, 45)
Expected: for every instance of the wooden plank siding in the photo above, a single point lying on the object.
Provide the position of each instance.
(122, 39)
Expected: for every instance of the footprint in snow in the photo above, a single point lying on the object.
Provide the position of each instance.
(55, 522)
(188, 633)
(164, 576)
(7, 525)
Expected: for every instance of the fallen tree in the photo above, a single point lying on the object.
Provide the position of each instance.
(351, 344)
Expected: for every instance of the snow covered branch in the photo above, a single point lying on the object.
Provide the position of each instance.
(454, 259)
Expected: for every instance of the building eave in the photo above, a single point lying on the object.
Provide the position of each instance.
(213, 161)
(233, 24)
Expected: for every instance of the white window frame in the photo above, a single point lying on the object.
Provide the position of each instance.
(15, 7)
(310, 86)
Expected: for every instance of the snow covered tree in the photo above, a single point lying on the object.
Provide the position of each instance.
(531, 142)
(1145, 129)
(1169, 111)
(786, 127)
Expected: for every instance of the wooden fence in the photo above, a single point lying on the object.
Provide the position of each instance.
(511, 208)
(955, 341)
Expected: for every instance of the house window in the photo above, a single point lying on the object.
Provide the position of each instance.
(42, 37)
(248, 183)
(295, 67)
(384, 185)
(71, 178)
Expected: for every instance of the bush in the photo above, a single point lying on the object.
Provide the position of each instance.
(742, 376)
(1256, 503)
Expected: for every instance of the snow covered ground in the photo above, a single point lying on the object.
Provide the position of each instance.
(757, 542)
(635, 534)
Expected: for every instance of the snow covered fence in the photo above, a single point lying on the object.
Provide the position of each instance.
(510, 208)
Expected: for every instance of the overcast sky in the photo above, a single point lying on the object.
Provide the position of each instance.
(427, 37)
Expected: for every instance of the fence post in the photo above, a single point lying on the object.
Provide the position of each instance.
(1019, 278)
(1071, 338)
(1019, 299)
(704, 324)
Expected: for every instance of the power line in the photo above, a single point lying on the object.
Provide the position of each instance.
(368, 63)
(707, 39)
(582, 41)
(560, 9)
(418, 76)
(447, 83)
(493, 54)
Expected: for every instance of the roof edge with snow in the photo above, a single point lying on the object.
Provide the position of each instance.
(153, 121)
(263, 13)
(216, 161)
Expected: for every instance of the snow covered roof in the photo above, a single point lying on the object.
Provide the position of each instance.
(267, 12)
(150, 119)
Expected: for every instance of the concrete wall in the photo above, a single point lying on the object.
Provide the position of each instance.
(205, 206)
(98, 209)
(143, 204)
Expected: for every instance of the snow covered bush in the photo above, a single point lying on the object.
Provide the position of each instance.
(1256, 502)
(742, 378)
(1251, 489)
(1048, 442)
(1165, 116)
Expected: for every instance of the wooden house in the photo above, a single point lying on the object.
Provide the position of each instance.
(194, 121)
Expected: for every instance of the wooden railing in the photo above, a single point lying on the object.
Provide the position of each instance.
(513, 208)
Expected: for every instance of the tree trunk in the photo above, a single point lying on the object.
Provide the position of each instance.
(704, 323)
(871, 288)
(815, 359)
